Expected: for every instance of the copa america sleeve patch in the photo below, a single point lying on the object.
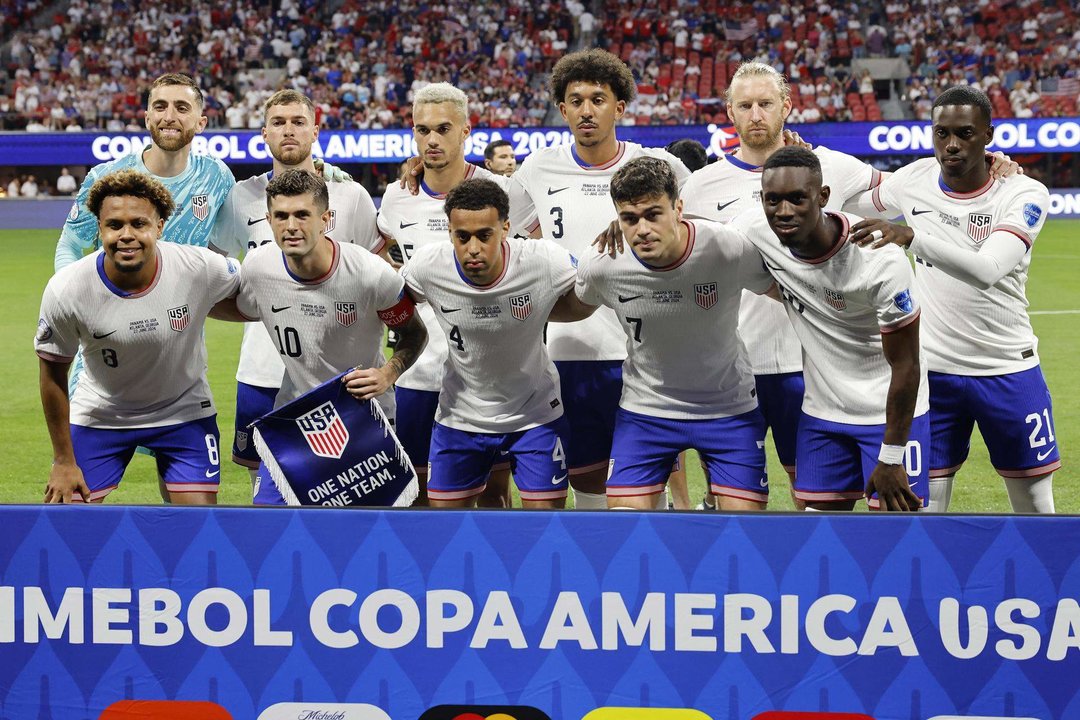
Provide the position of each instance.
(400, 313)
(1032, 213)
(904, 301)
(44, 332)
(328, 448)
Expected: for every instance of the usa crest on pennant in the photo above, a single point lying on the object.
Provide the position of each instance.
(324, 431)
(200, 206)
(521, 306)
(705, 295)
(179, 318)
(346, 313)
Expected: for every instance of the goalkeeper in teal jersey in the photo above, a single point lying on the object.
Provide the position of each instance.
(199, 184)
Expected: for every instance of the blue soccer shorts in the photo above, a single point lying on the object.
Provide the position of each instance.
(186, 453)
(460, 461)
(252, 402)
(590, 392)
(731, 448)
(780, 399)
(1015, 416)
(834, 460)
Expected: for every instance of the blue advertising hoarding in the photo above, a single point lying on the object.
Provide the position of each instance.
(1050, 135)
(391, 613)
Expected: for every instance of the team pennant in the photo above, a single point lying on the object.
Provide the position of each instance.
(328, 448)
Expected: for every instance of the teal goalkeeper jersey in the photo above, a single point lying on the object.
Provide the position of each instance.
(199, 193)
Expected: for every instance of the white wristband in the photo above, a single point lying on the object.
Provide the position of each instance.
(891, 454)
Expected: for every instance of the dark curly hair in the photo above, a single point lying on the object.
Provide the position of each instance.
(130, 183)
(478, 195)
(593, 66)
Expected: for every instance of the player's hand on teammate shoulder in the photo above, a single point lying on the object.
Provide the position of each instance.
(890, 482)
(879, 233)
(411, 172)
(610, 241)
(793, 139)
(65, 479)
(331, 173)
(1002, 166)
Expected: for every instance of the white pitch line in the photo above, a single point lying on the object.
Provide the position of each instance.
(1054, 312)
(1059, 257)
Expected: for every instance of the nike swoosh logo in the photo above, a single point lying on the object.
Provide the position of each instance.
(764, 482)
(919, 212)
(552, 191)
(407, 225)
(212, 474)
(99, 337)
(720, 207)
(557, 480)
(256, 221)
(623, 299)
(279, 309)
(448, 310)
(1043, 455)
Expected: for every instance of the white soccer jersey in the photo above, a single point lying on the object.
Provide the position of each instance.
(144, 352)
(241, 227)
(730, 187)
(840, 305)
(325, 326)
(684, 357)
(570, 200)
(415, 221)
(965, 330)
(499, 378)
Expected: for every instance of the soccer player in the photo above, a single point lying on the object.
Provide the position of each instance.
(499, 158)
(324, 304)
(971, 236)
(562, 193)
(440, 126)
(758, 103)
(491, 296)
(686, 380)
(864, 427)
(289, 130)
(198, 183)
(137, 308)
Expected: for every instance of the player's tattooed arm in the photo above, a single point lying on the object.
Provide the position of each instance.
(368, 383)
(901, 349)
(65, 478)
(570, 308)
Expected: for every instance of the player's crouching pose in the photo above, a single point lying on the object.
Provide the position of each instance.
(686, 380)
(137, 308)
(864, 426)
(324, 304)
(491, 296)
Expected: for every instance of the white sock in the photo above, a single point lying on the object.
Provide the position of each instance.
(590, 501)
(1031, 495)
(940, 493)
(810, 509)
(253, 473)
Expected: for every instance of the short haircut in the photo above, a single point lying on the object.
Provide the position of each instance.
(593, 66)
(759, 69)
(179, 79)
(299, 182)
(130, 183)
(691, 152)
(442, 92)
(489, 151)
(792, 156)
(965, 95)
(644, 177)
(478, 195)
(287, 97)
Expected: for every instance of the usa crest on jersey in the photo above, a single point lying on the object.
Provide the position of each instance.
(705, 295)
(331, 222)
(346, 313)
(979, 226)
(324, 431)
(179, 318)
(835, 299)
(521, 306)
(200, 206)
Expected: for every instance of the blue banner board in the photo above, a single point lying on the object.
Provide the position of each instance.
(1050, 135)
(386, 614)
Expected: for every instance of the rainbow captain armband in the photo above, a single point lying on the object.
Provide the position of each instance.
(399, 314)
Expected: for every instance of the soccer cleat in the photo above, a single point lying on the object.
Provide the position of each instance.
(705, 504)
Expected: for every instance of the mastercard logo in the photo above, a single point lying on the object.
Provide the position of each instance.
(483, 712)
(164, 710)
(625, 713)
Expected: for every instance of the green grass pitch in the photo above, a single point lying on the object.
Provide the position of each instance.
(24, 463)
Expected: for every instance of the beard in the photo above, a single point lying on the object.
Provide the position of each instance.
(172, 144)
(291, 156)
(772, 136)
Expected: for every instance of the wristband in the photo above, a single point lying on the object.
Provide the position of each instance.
(891, 454)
